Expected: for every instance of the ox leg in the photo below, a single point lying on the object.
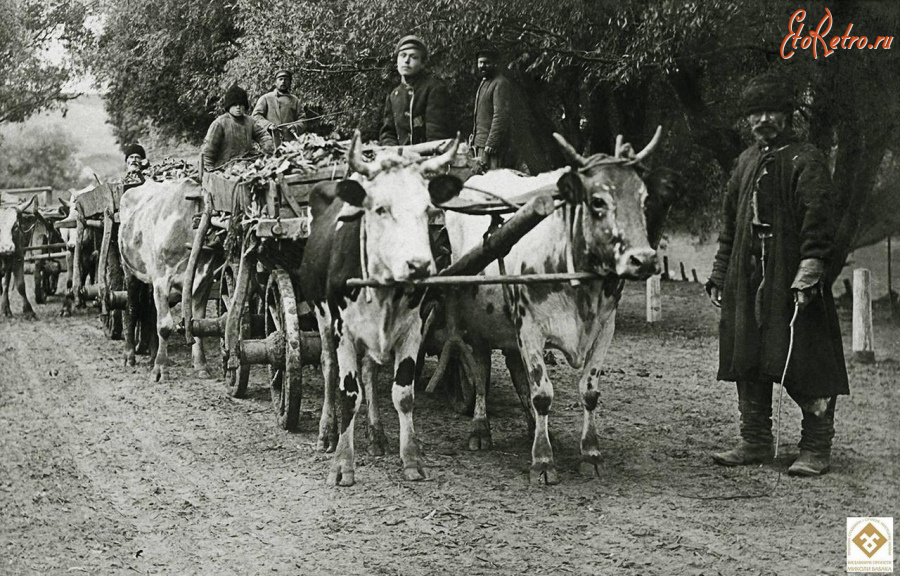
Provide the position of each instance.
(198, 305)
(520, 382)
(27, 310)
(328, 422)
(131, 316)
(69, 297)
(350, 396)
(480, 438)
(589, 388)
(378, 443)
(165, 325)
(7, 282)
(403, 393)
(531, 347)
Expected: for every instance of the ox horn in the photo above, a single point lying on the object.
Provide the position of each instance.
(650, 147)
(22, 207)
(355, 159)
(438, 163)
(575, 159)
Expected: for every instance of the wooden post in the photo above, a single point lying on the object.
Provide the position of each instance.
(666, 275)
(76, 263)
(863, 341)
(683, 273)
(654, 302)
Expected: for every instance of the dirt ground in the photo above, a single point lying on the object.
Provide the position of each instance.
(103, 472)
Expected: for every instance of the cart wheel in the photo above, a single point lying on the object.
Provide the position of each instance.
(287, 380)
(236, 380)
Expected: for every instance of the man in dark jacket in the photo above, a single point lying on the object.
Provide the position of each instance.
(233, 133)
(774, 246)
(491, 134)
(418, 110)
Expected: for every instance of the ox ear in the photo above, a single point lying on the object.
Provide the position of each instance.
(443, 188)
(351, 192)
(571, 187)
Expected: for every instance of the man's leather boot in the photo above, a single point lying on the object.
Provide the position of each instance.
(755, 446)
(815, 443)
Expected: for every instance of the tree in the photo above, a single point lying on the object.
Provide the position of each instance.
(162, 64)
(39, 156)
(29, 81)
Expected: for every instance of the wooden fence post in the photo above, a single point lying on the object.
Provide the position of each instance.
(654, 302)
(863, 341)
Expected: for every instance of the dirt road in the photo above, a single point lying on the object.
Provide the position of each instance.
(103, 472)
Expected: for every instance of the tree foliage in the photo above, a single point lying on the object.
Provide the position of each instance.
(43, 155)
(161, 63)
(591, 69)
(30, 81)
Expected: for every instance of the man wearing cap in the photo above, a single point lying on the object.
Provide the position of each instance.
(135, 162)
(417, 110)
(278, 106)
(233, 133)
(775, 243)
(491, 133)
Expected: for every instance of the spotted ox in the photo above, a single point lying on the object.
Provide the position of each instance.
(155, 236)
(14, 236)
(602, 229)
(376, 222)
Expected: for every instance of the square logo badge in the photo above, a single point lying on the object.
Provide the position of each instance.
(870, 545)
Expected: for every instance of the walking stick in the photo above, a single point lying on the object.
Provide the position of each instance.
(787, 363)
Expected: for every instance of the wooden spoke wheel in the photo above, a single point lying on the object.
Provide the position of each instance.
(286, 379)
(236, 379)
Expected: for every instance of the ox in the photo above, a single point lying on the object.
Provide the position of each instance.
(90, 247)
(13, 238)
(155, 235)
(375, 225)
(601, 229)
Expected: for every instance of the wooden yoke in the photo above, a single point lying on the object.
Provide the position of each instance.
(187, 290)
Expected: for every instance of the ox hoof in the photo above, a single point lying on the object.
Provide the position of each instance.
(341, 475)
(543, 472)
(130, 360)
(29, 316)
(480, 439)
(65, 313)
(203, 374)
(157, 374)
(589, 468)
(7, 312)
(378, 444)
(327, 443)
(414, 472)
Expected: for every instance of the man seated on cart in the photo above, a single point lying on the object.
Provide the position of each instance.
(135, 162)
(233, 133)
(279, 107)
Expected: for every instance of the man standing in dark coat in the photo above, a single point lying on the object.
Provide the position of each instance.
(418, 110)
(774, 247)
(491, 134)
(233, 133)
(279, 106)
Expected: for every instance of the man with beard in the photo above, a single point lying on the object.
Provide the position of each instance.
(774, 246)
(418, 110)
(233, 133)
(135, 162)
(492, 134)
(279, 106)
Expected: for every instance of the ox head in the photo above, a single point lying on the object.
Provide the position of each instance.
(394, 199)
(10, 221)
(608, 197)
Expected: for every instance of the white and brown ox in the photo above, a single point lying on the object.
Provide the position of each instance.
(601, 229)
(374, 224)
(155, 236)
(13, 239)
